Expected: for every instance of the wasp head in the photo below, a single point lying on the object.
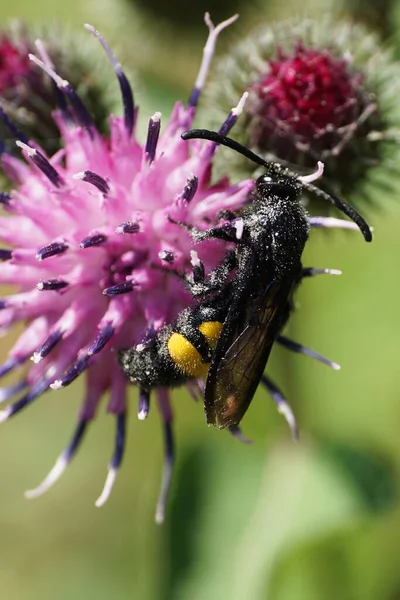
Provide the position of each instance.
(278, 183)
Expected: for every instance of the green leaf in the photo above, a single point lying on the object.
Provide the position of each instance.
(236, 514)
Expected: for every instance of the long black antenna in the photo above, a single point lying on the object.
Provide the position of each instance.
(214, 136)
(223, 140)
(344, 208)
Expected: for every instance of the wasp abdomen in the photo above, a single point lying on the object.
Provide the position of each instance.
(186, 356)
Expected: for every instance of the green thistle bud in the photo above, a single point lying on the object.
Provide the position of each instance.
(28, 95)
(317, 91)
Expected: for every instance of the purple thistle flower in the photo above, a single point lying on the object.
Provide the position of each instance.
(29, 96)
(89, 245)
(318, 90)
(94, 247)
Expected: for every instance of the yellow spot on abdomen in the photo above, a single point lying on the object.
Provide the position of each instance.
(186, 357)
(211, 331)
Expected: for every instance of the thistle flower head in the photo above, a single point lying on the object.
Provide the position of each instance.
(14, 62)
(317, 91)
(309, 95)
(29, 96)
(89, 243)
(92, 243)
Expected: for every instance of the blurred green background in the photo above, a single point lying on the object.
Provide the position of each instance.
(273, 520)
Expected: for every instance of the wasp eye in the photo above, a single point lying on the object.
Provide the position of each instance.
(265, 180)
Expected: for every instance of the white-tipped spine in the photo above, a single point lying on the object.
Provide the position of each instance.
(59, 81)
(111, 56)
(28, 149)
(209, 48)
(108, 486)
(56, 385)
(237, 110)
(143, 414)
(54, 475)
(165, 484)
(4, 414)
(285, 410)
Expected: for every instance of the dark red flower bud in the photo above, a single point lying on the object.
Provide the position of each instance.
(321, 91)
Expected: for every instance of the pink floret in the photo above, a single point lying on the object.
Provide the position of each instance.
(86, 228)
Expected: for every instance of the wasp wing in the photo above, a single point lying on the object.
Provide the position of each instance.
(252, 324)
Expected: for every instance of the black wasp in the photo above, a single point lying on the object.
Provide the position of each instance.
(244, 303)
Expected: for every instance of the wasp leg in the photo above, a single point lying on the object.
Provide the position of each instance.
(202, 287)
(230, 232)
(300, 349)
(282, 405)
(147, 338)
(312, 272)
(198, 271)
(227, 214)
(181, 224)
(164, 269)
